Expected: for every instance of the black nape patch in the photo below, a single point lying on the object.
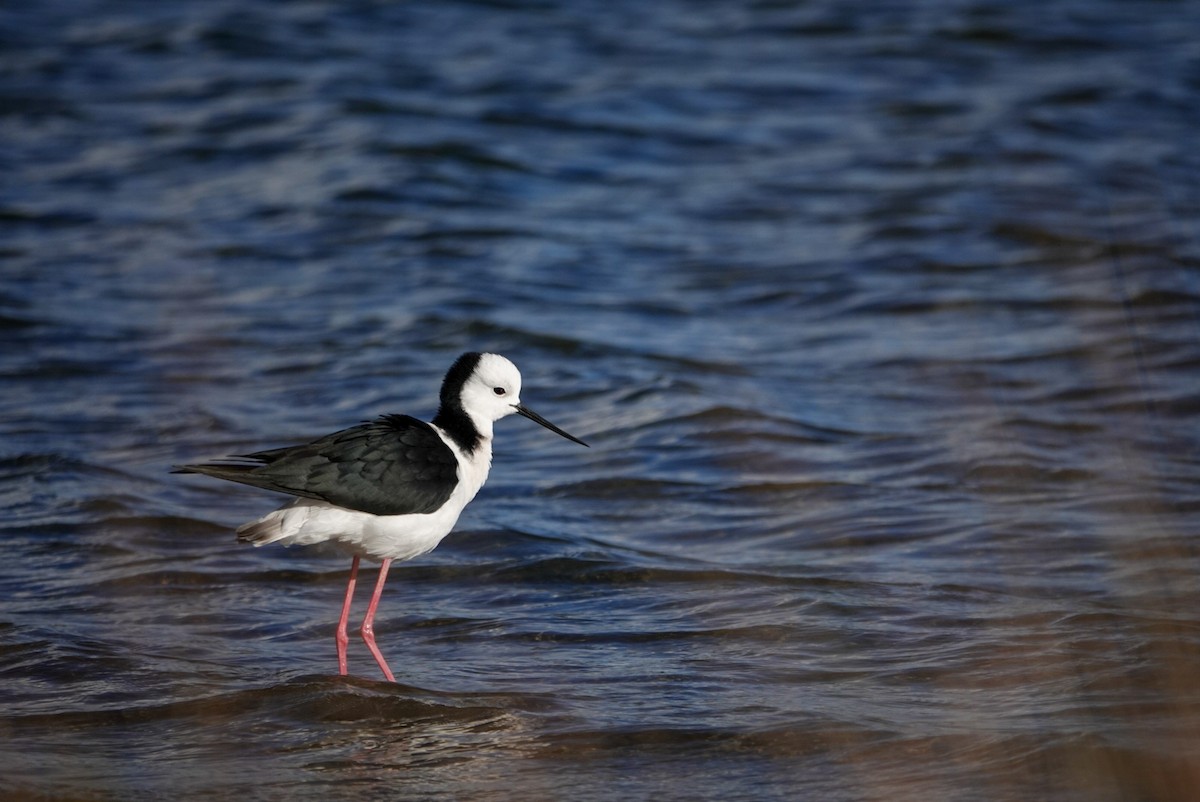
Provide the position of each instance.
(451, 418)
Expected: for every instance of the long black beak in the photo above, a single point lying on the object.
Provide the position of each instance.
(526, 412)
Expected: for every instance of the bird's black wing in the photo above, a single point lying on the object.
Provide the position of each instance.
(393, 465)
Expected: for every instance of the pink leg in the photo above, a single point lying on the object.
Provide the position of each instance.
(368, 624)
(342, 638)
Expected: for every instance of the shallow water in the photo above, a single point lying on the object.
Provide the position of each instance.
(883, 323)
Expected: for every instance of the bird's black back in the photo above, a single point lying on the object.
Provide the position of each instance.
(393, 465)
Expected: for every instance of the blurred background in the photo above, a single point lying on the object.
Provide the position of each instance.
(882, 320)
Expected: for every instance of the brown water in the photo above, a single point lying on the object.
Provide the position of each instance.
(883, 323)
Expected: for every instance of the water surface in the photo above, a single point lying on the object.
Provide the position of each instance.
(883, 321)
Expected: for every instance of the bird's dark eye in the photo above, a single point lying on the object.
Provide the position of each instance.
(499, 390)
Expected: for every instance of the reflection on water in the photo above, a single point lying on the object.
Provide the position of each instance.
(882, 323)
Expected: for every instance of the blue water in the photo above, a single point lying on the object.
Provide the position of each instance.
(882, 319)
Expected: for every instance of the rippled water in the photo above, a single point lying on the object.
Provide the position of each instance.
(883, 321)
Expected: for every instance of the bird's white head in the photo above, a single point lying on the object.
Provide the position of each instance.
(486, 388)
(492, 390)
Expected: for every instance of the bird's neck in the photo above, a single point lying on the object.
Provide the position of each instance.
(466, 432)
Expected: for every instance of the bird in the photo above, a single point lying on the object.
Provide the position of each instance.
(389, 489)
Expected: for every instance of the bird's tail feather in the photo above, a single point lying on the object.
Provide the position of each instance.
(259, 532)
